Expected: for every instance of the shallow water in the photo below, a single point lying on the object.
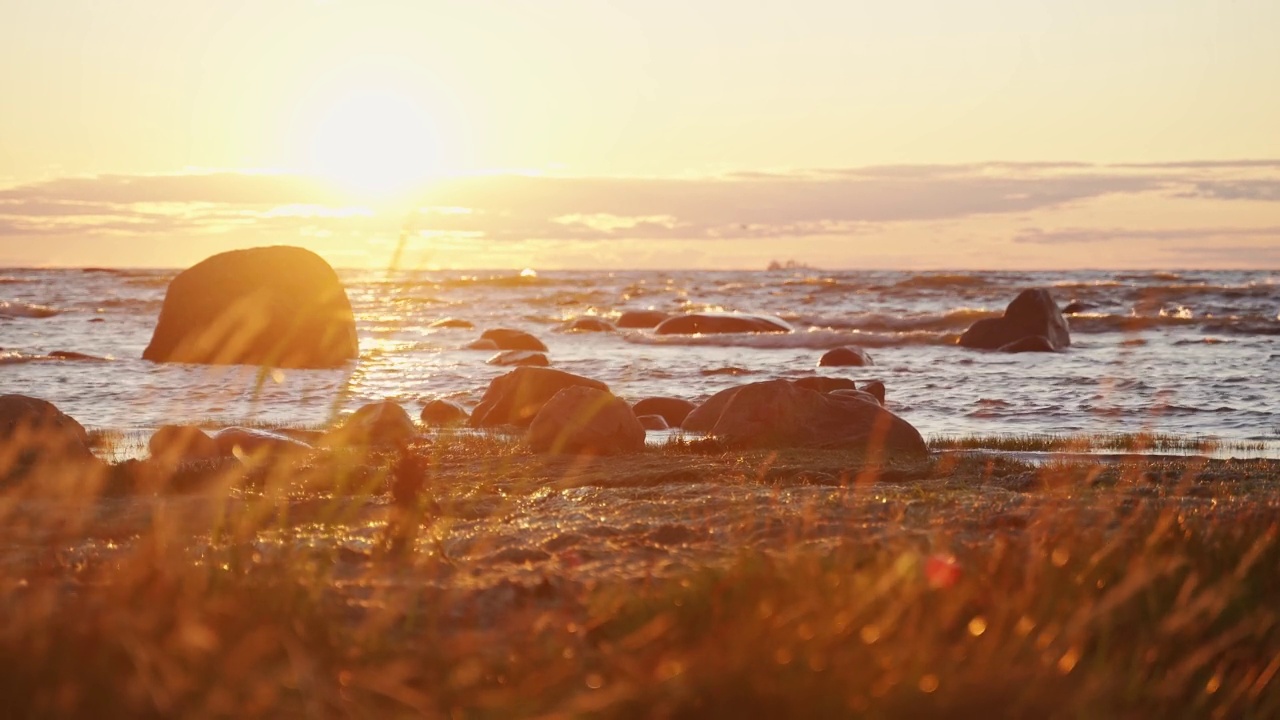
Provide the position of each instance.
(1187, 353)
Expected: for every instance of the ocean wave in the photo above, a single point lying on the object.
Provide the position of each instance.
(20, 358)
(936, 281)
(1101, 323)
(26, 310)
(814, 339)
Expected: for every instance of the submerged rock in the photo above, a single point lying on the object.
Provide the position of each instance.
(719, 323)
(641, 319)
(586, 421)
(847, 356)
(277, 306)
(443, 413)
(1032, 313)
(589, 324)
(507, 339)
(777, 413)
(520, 357)
(673, 410)
(516, 397)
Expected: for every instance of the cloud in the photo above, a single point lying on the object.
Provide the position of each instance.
(1262, 190)
(1077, 236)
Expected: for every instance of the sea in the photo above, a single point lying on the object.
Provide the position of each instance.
(1194, 353)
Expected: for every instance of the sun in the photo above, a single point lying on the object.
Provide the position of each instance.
(375, 141)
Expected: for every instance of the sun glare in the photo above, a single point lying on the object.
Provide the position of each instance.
(376, 142)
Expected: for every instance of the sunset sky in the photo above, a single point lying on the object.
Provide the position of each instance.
(645, 133)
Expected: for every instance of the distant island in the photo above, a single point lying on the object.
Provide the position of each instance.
(789, 265)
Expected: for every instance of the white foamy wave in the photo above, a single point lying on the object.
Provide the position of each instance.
(814, 339)
(25, 310)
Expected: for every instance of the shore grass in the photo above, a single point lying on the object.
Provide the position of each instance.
(686, 581)
(1117, 442)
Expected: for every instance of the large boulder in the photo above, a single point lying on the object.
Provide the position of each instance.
(36, 435)
(586, 421)
(823, 384)
(1030, 314)
(847, 356)
(508, 339)
(516, 397)
(641, 319)
(277, 306)
(1030, 343)
(673, 410)
(777, 413)
(717, 323)
(253, 443)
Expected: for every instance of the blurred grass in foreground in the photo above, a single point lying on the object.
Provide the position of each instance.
(955, 587)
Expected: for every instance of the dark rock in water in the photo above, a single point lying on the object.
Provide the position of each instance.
(450, 322)
(97, 320)
(516, 397)
(653, 422)
(1076, 307)
(585, 421)
(519, 357)
(846, 356)
(1031, 343)
(717, 323)
(821, 384)
(70, 355)
(875, 388)
(1032, 313)
(257, 443)
(182, 443)
(276, 306)
(673, 410)
(641, 319)
(442, 413)
(36, 435)
(482, 344)
(777, 413)
(508, 339)
(376, 424)
(589, 324)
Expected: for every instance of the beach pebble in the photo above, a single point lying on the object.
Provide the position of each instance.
(641, 319)
(443, 413)
(507, 339)
(847, 356)
(719, 323)
(520, 357)
(275, 306)
(516, 397)
(673, 410)
(1030, 314)
(586, 421)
